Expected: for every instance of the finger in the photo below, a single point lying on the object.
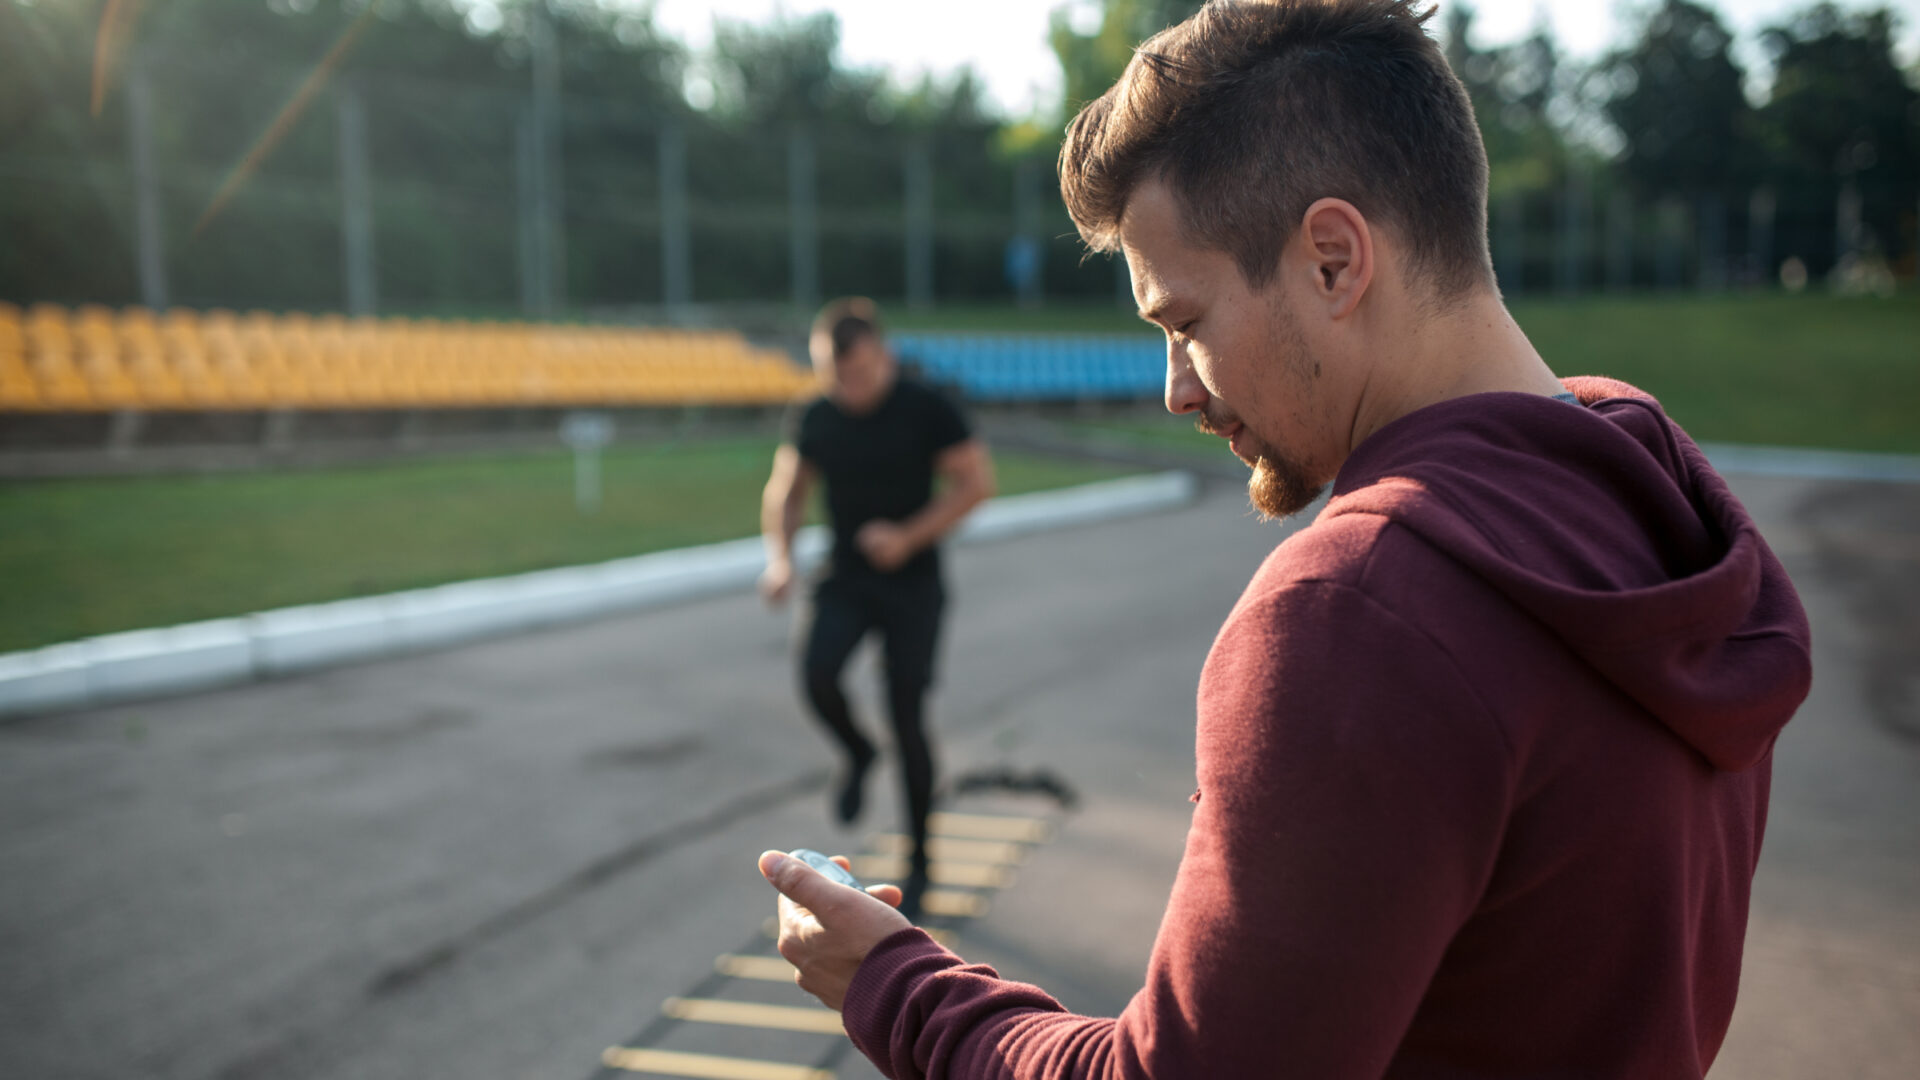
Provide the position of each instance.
(791, 917)
(889, 895)
(845, 863)
(805, 886)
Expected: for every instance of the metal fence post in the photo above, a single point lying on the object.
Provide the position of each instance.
(1509, 244)
(547, 142)
(919, 183)
(1846, 221)
(1570, 267)
(1619, 242)
(676, 248)
(1761, 206)
(803, 220)
(149, 253)
(531, 247)
(1669, 260)
(1026, 258)
(1712, 226)
(356, 200)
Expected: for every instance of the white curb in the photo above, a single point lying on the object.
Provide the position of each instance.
(197, 656)
(1814, 464)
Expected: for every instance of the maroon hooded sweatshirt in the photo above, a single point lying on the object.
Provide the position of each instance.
(1483, 758)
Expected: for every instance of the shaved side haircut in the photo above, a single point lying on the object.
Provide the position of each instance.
(1252, 110)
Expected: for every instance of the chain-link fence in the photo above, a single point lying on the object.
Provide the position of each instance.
(394, 193)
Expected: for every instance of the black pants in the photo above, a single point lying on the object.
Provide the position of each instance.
(906, 610)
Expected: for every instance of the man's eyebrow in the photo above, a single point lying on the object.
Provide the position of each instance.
(1155, 309)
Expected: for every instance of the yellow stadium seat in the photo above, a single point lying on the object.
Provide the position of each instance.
(94, 356)
(45, 313)
(19, 394)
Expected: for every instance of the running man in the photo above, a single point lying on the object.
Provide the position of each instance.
(878, 440)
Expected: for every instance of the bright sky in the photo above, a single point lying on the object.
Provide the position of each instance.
(1006, 40)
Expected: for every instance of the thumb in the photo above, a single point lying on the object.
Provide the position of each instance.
(804, 885)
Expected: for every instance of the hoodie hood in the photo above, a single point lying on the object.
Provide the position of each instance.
(1607, 525)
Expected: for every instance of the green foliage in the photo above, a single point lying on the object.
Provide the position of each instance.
(447, 84)
(1090, 63)
(1677, 100)
(1842, 114)
(1840, 103)
(1512, 88)
(444, 100)
(784, 73)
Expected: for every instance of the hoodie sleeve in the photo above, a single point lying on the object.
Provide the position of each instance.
(1353, 795)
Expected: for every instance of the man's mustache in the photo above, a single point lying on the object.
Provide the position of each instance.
(1207, 424)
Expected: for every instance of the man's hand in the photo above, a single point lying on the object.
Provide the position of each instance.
(776, 581)
(827, 929)
(886, 544)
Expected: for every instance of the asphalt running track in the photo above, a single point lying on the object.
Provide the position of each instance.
(505, 860)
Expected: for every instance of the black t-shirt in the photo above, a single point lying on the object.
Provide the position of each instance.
(878, 465)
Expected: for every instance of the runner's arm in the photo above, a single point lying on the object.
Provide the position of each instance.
(966, 472)
(783, 505)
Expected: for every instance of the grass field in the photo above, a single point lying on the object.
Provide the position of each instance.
(83, 557)
(1766, 368)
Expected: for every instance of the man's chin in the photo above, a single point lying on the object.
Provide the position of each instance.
(1280, 490)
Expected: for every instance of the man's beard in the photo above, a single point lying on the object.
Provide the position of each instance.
(1279, 486)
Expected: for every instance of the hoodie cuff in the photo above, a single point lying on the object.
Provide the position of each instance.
(881, 986)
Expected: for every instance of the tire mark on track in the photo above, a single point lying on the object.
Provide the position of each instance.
(407, 973)
(272, 1058)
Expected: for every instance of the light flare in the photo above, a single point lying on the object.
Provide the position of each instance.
(289, 115)
(110, 46)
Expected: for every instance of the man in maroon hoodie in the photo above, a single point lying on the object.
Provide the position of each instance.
(1483, 751)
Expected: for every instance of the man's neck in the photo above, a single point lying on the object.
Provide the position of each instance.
(1473, 348)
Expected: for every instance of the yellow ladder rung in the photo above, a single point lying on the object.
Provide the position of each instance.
(1001, 852)
(807, 1018)
(972, 875)
(705, 1066)
(945, 938)
(963, 905)
(989, 827)
(763, 968)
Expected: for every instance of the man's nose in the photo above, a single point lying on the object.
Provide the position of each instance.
(1185, 392)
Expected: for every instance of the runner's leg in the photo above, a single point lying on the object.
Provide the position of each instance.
(836, 624)
(912, 629)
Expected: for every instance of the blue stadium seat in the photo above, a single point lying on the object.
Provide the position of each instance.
(1040, 367)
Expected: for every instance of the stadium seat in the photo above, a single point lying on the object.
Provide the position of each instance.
(1040, 367)
(93, 357)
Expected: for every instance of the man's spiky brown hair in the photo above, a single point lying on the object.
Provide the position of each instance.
(1253, 109)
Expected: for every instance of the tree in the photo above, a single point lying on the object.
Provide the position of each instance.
(786, 71)
(1090, 63)
(1676, 96)
(1841, 112)
(1513, 89)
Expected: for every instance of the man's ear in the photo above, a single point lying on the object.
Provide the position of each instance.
(1339, 248)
